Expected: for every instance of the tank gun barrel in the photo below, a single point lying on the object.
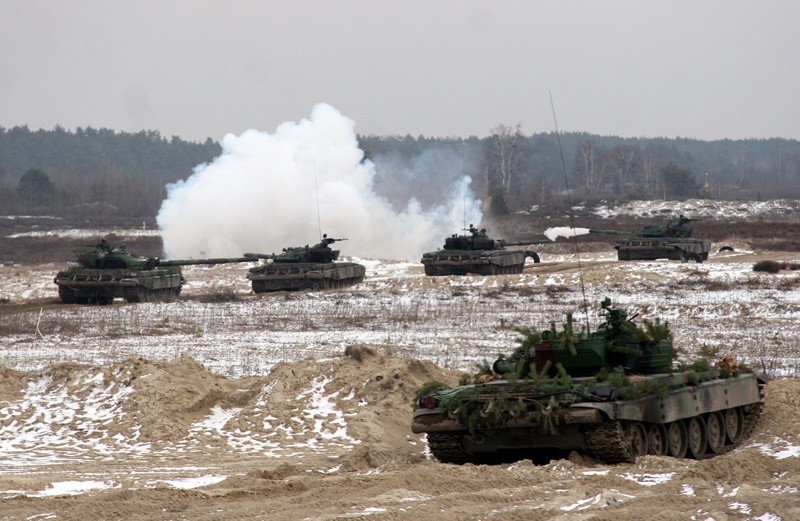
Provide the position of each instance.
(257, 256)
(191, 262)
(610, 232)
(504, 242)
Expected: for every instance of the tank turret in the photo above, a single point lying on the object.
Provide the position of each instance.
(660, 241)
(479, 254)
(105, 271)
(304, 267)
(320, 252)
(617, 342)
(611, 393)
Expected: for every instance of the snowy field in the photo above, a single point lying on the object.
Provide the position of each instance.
(452, 321)
(228, 404)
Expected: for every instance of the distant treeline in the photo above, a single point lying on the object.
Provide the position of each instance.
(515, 171)
(93, 168)
(106, 171)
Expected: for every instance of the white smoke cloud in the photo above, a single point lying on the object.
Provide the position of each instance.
(564, 231)
(261, 195)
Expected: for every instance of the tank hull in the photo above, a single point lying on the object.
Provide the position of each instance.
(672, 249)
(102, 286)
(305, 276)
(694, 419)
(465, 262)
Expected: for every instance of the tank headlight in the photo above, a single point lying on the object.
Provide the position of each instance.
(429, 402)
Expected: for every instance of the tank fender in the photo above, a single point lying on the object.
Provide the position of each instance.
(683, 402)
(607, 410)
(436, 420)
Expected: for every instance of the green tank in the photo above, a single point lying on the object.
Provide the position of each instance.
(304, 267)
(479, 254)
(611, 393)
(105, 272)
(660, 241)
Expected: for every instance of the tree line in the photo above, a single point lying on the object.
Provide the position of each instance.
(61, 170)
(103, 170)
(518, 170)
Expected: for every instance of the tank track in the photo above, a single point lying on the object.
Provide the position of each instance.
(752, 414)
(478, 269)
(610, 443)
(447, 447)
(261, 286)
(135, 294)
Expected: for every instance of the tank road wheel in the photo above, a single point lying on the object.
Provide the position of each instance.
(259, 286)
(715, 429)
(657, 440)
(136, 294)
(734, 425)
(67, 295)
(310, 286)
(98, 301)
(696, 432)
(104, 301)
(638, 439)
(677, 439)
(430, 271)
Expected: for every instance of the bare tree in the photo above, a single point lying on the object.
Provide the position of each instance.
(591, 166)
(651, 179)
(505, 153)
(622, 163)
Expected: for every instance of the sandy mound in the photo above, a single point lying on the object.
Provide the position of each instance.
(330, 439)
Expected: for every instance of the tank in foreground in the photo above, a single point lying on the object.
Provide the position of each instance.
(610, 394)
(656, 241)
(305, 268)
(479, 254)
(105, 272)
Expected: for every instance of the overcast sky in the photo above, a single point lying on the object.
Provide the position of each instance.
(702, 69)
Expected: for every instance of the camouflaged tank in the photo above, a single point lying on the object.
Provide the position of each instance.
(611, 394)
(477, 253)
(105, 272)
(304, 267)
(669, 241)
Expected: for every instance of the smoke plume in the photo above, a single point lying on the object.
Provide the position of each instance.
(269, 191)
(564, 231)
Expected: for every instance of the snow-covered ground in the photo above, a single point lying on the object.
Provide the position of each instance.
(453, 321)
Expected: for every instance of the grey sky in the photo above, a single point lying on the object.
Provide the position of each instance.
(703, 69)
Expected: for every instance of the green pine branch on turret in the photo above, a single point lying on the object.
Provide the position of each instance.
(546, 383)
(566, 336)
(427, 388)
(656, 331)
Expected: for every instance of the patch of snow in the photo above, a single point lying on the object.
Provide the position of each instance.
(778, 449)
(194, 482)
(71, 488)
(583, 504)
(648, 479)
(741, 508)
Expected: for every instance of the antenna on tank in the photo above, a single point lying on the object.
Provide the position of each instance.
(464, 180)
(316, 192)
(571, 214)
